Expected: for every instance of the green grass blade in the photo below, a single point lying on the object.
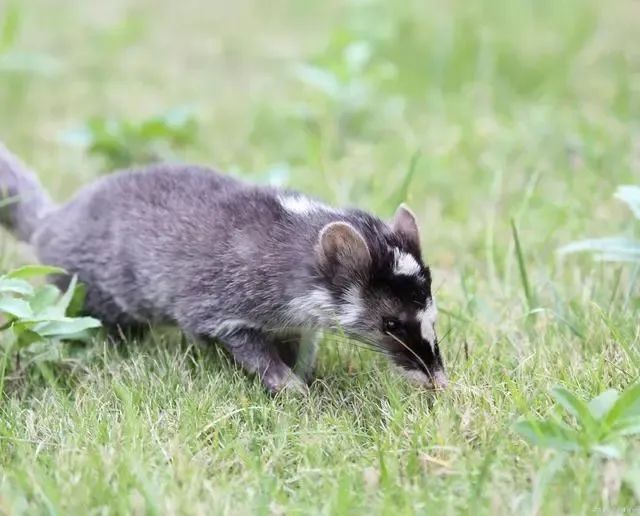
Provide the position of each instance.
(402, 194)
(524, 278)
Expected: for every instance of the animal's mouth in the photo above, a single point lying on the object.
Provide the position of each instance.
(438, 380)
(433, 380)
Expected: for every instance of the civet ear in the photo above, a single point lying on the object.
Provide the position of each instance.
(342, 250)
(404, 223)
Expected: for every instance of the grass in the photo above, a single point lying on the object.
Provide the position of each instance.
(476, 113)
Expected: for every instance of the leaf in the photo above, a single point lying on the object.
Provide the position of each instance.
(608, 450)
(357, 55)
(121, 142)
(66, 298)
(627, 405)
(627, 426)
(76, 306)
(549, 434)
(575, 406)
(614, 248)
(320, 79)
(15, 286)
(177, 126)
(66, 327)
(43, 299)
(27, 337)
(29, 271)
(630, 194)
(15, 307)
(601, 404)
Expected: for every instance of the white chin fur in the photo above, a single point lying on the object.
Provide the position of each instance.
(437, 381)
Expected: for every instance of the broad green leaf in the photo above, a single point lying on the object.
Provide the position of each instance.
(602, 404)
(63, 304)
(15, 286)
(576, 407)
(608, 450)
(44, 299)
(549, 434)
(15, 307)
(27, 337)
(627, 426)
(627, 405)
(22, 325)
(66, 327)
(76, 305)
(29, 271)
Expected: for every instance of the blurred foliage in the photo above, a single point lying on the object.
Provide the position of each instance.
(614, 248)
(13, 60)
(435, 78)
(36, 319)
(34, 314)
(501, 122)
(602, 426)
(121, 142)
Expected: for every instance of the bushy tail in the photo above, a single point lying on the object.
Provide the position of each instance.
(23, 201)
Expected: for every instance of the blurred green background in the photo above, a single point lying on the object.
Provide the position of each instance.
(475, 112)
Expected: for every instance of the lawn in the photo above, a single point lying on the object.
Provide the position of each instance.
(475, 112)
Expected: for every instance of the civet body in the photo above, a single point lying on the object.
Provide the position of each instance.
(258, 269)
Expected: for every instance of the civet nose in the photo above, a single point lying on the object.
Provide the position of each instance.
(439, 380)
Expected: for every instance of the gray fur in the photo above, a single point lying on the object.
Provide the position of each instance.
(222, 259)
(24, 202)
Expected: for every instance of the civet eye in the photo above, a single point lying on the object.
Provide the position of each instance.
(390, 324)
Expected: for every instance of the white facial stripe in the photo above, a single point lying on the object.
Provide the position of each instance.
(427, 318)
(432, 310)
(405, 264)
(351, 311)
(301, 205)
